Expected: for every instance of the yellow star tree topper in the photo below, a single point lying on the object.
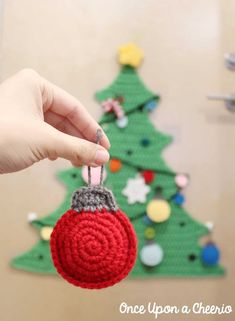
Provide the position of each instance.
(130, 55)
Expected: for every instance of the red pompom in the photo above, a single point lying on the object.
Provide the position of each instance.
(93, 249)
(148, 176)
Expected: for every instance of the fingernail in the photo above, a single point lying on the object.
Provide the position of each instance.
(101, 156)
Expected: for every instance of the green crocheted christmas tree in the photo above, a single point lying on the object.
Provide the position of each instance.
(146, 189)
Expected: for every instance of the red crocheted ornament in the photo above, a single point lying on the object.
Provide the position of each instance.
(93, 245)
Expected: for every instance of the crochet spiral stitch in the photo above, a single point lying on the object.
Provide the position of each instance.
(93, 245)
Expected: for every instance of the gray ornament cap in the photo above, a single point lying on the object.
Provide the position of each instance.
(92, 198)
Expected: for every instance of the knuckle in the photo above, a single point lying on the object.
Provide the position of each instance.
(28, 73)
(85, 153)
(82, 152)
(73, 113)
(62, 126)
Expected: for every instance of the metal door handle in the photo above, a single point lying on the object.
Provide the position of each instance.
(230, 61)
(228, 99)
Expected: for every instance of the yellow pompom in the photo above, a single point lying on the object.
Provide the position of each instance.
(149, 233)
(158, 210)
(45, 232)
(130, 55)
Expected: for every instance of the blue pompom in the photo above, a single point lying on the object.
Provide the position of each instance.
(145, 142)
(150, 105)
(178, 199)
(147, 221)
(210, 254)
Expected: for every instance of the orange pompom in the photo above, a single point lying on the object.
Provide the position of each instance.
(115, 165)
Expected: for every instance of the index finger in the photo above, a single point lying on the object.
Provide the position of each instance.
(64, 104)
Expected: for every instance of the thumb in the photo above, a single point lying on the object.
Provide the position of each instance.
(78, 151)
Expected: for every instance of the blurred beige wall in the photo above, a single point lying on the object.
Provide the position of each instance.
(73, 43)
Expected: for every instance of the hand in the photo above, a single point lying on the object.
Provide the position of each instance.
(39, 120)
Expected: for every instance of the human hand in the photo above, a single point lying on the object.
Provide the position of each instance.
(40, 120)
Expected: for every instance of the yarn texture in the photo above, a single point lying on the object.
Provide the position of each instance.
(93, 245)
(92, 198)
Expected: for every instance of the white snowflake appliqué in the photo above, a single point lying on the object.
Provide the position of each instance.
(136, 190)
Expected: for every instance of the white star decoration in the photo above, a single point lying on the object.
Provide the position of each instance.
(136, 190)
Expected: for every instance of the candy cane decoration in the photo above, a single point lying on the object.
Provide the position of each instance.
(110, 105)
